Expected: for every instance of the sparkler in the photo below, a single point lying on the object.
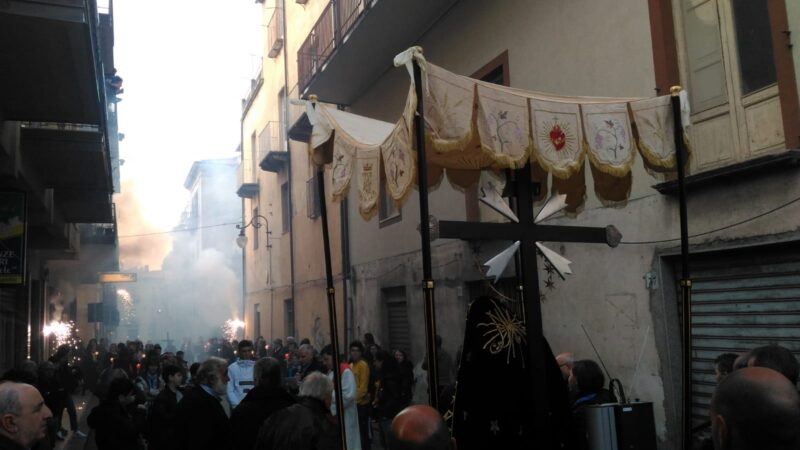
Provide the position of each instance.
(230, 328)
(128, 311)
(61, 331)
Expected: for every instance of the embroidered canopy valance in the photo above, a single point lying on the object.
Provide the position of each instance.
(471, 125)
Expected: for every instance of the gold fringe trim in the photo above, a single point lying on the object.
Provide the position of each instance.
(616, 171)
(561, 173)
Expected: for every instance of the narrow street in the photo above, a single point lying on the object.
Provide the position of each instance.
(83, 406)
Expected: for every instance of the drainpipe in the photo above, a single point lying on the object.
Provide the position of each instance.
(244, 250)
(285, 114)
(345, 231)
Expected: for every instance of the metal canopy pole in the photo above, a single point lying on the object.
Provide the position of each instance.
(685, 281)
(331, 291)
(424, 230)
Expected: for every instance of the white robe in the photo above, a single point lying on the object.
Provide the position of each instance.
(350, 412)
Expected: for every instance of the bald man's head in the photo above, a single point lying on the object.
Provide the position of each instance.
(755, 408)
(23, 414)
(419, 427)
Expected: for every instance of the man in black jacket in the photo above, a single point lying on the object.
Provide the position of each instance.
(267, 397)
(114, 427)
(304, 425)
(201, 422)
(164, 410)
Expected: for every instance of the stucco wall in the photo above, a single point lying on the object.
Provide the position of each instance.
(577, 48)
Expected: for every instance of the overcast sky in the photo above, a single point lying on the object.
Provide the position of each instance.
(186, 66)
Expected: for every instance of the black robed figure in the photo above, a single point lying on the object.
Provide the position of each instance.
(494, 399)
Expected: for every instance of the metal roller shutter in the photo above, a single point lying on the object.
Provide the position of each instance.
(397, 319)
(741, 300)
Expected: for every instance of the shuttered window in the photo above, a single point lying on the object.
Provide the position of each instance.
(397, 318)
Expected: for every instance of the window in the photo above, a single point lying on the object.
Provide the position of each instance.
(255, 230)
(754, 42)
(388, 213)
(282, 120)
(253, 157)
(728, 68)
(288, 316)
(275, 33)
(285, 207)
(257, 320)
(313, 207)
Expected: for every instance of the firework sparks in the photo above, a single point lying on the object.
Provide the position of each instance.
(61, 331)
(230, 328)
(128, 312)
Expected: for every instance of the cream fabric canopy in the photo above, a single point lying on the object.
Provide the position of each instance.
(472, 125)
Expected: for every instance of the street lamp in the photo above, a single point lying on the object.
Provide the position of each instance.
(241, 240)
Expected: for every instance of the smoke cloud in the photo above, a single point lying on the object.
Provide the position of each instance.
(196, 286)
(138, 251)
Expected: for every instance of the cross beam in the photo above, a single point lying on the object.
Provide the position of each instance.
(470, 231)
(528, 234)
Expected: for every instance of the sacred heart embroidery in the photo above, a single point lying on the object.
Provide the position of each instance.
(557, 137)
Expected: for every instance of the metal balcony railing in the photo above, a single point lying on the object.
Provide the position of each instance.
(100, 233)
(271, 139)
(275, 33)
(247, 183)
(332, 28)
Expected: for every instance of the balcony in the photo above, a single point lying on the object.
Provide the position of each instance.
(354, 41)
(275, 33)
(247, 181)
(100, 233)
(73, 161)
(50, 61)
(272, 148)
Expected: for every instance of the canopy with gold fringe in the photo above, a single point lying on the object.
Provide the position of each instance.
(471, 124)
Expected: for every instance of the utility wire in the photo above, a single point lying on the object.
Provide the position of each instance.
(661, 241)
(179, 230)
(742, 222)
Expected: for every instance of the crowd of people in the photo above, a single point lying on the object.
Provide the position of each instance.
(246, 395)
(237, 394)
(755, 404)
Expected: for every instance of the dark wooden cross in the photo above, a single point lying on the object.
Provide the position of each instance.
(528, 233)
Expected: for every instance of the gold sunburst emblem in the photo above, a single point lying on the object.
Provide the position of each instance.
(505, 333)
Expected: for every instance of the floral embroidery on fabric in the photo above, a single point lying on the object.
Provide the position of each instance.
(504, 131)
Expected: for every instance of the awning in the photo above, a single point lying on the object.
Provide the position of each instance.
(472, 125)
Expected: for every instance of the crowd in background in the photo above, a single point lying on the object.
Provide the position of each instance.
(217, 394)
(282, 396)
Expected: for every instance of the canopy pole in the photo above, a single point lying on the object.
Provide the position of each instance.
(685, 281)
(331, 291)
(425, 236)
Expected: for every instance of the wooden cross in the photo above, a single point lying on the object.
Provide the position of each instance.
(528, 233)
